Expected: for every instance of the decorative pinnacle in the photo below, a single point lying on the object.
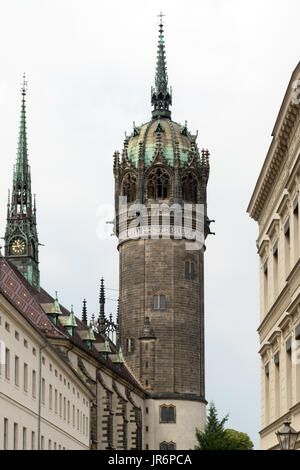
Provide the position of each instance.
(102, 319)
(161, 97)
(84, 313)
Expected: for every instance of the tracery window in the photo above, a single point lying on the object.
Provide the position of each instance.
(129, 187)
(189, 188)
(158, 184)
(167, 414)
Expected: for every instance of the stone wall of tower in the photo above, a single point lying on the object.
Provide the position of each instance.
(153, 267)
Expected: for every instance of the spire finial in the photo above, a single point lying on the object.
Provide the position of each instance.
(161, 97)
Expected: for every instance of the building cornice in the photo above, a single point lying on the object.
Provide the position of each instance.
(276, 155)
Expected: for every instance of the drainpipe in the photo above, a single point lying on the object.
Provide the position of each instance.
(40, 395)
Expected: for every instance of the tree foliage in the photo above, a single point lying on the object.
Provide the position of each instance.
(216, 437)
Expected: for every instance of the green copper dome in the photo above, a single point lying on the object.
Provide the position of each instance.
(170, 132)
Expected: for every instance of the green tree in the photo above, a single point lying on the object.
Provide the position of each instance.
(216, 437)
(239, 440)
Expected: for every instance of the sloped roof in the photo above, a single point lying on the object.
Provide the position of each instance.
(17, 291)
(29, 300)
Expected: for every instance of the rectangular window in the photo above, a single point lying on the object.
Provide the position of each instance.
(267, 395)
(50, 397)
(77, 419)
(266, 285)
(287, 247)
(296, 229)
(65, 409)
(277, 385)
(87, 425)
(42, 443)
(155, 302)
(55, 401)
(43, 391)
(24, 438)
(5, 434)
(15, 436)
(49, 444)
(60, 405)
(7, 363)
(33, 383)
(33, 440)
(289, 373)
(17, 371)
(68, 411)
(275, 269)
(25, 377)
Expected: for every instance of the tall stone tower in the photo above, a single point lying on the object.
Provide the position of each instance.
(21, 239)
(161, 312)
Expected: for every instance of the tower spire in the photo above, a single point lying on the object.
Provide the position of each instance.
(22, 168)
(21, 240)
(161, 94)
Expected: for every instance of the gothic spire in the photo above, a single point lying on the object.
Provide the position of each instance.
(21, 239)
(84, 313)
(161, 94)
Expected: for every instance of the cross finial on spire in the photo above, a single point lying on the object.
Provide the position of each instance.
(24, 85)
(161, 17)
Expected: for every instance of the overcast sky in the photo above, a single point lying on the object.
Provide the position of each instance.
(90, 65)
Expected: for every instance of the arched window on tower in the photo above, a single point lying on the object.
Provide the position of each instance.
(167, 414)
(158, 186)
(189, 188)
(129, 187)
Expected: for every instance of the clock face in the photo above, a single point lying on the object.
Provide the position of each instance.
(18, 246)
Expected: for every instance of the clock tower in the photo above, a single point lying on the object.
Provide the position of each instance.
(21, 239)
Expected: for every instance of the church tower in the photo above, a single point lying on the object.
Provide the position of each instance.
(161, 310)
(21, 239)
